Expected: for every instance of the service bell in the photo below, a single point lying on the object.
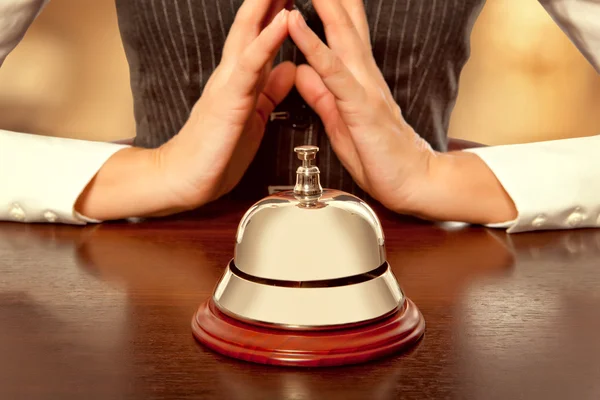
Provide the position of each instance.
(309, 283)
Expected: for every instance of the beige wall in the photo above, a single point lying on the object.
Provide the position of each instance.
(69, 76)
(524, 82)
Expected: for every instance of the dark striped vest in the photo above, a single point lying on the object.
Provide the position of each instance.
(174, 45)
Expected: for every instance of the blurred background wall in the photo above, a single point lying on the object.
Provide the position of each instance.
(525, 81)
(69, 77)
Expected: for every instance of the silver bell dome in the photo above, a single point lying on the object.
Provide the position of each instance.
(309, 259)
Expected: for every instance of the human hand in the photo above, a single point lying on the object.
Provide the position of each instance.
(215, 147)
(208, 157)
(345, 87)
(382, 152)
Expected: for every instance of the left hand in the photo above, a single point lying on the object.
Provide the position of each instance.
(345, 87)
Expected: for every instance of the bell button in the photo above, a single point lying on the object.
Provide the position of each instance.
(306, 153)
(308, 183)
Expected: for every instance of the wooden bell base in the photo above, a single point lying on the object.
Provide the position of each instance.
(344, 346)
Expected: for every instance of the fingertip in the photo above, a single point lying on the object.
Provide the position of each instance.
(300, 32)
(289, 64)
(304, 68)
(284, 74)
(297, 19)
(280, 18)
(288, 67)
(282, 77)
(310, 85)
(302, 71)
(276, 7)
(307, 71)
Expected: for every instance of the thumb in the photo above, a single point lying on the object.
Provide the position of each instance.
(279, 84)
(316, 94)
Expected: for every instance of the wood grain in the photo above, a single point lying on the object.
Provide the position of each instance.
(104, 312)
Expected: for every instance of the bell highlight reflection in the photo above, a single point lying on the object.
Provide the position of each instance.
(309, 260)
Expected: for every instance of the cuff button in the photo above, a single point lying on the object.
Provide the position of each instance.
(575, 219)
(17, 213)
(539, 221)
(50, 216)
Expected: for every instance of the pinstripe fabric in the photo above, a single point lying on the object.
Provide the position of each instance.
(174, 45)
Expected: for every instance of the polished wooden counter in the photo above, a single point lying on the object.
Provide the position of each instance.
(104, 312)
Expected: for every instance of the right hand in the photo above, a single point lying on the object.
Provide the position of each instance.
(209, 156)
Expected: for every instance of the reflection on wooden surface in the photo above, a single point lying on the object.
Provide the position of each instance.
(106, 310)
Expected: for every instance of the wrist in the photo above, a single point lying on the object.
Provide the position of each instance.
(459, 186)
(182, 174)
(129, 184)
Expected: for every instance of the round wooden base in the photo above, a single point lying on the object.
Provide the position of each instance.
(308, 348)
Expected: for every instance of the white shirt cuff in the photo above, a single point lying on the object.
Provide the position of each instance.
(42, 177)
(554, 184)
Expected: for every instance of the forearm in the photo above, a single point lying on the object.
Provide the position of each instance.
(51, 179)
(129, 184)
(522, 187)
(461, 187)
